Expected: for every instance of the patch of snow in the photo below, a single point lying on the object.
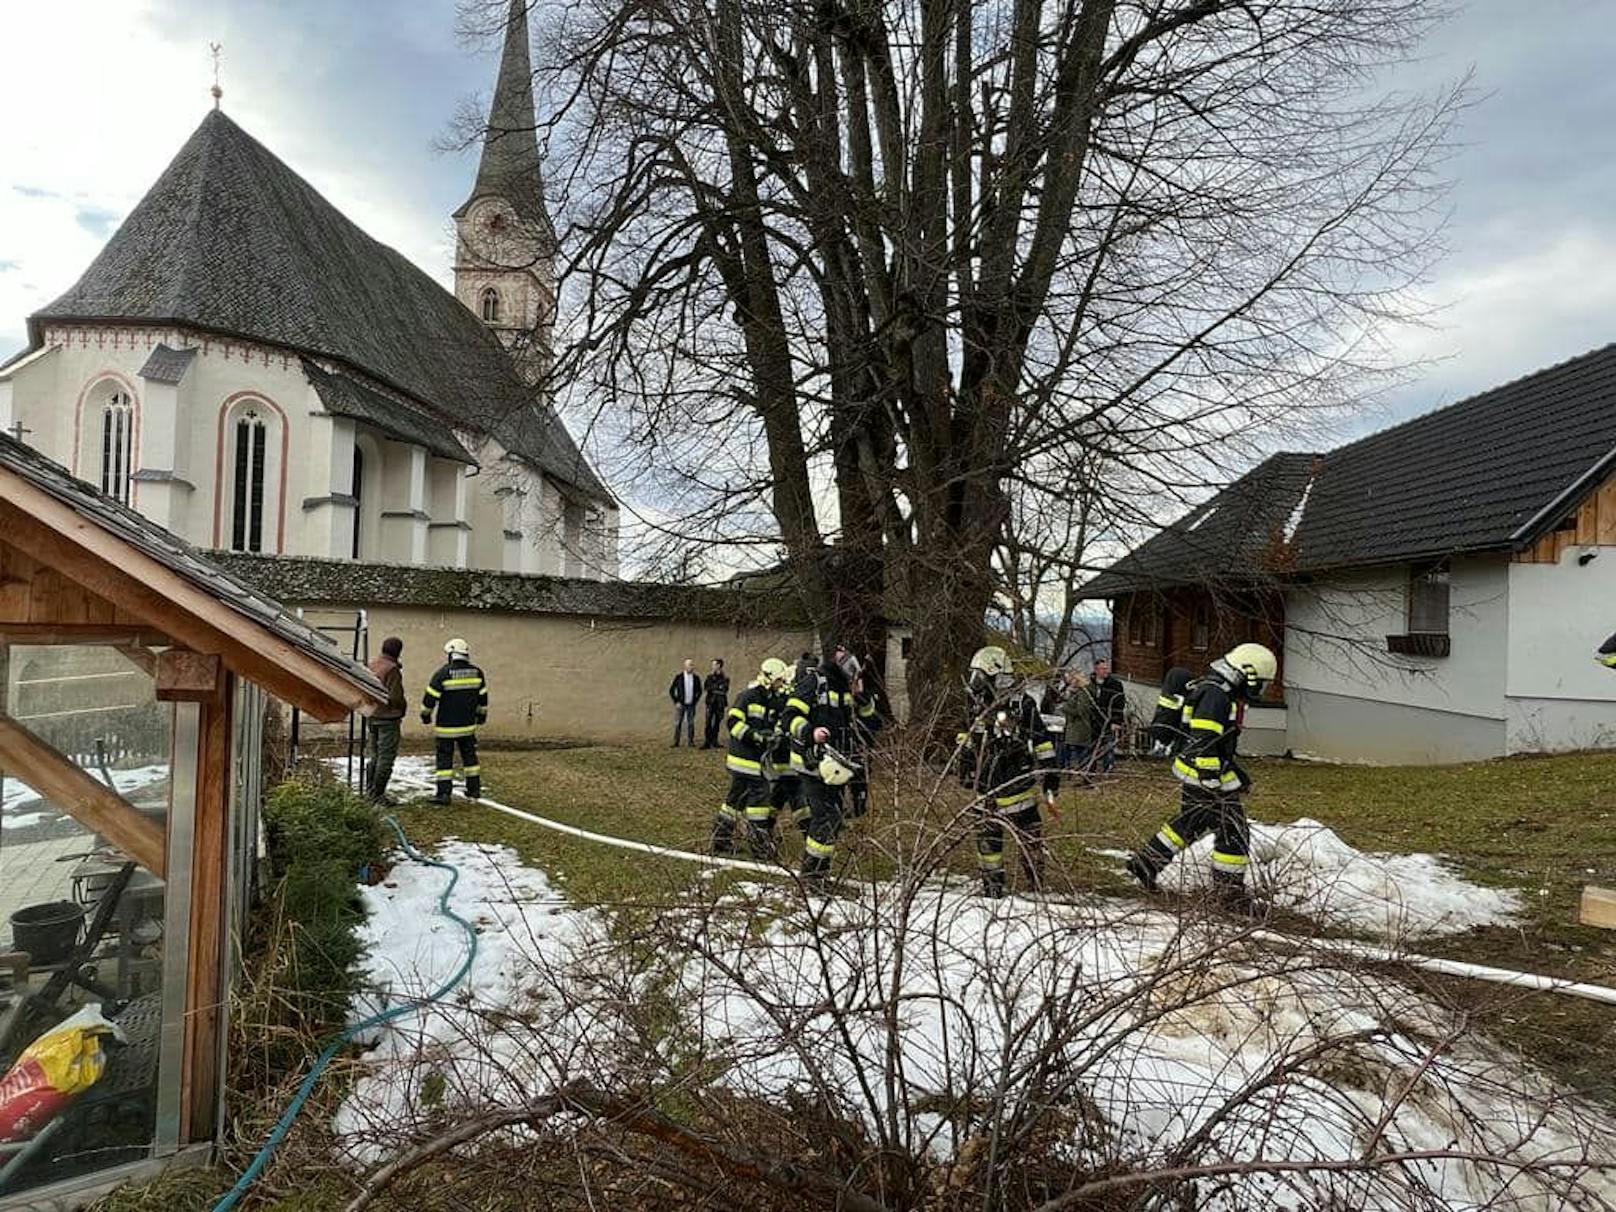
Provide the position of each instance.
(23, 820)
(1307, 868)
(18, 795)
(1295, 520)
(1161, 1028)
(1202, 517)
(416, 767)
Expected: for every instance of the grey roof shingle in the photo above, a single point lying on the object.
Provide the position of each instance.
(344, 397)
(1233, 536)
(230, 240)
(167, 365)
(178, 556)
(1490, 473)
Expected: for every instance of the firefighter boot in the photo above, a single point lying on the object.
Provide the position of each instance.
(723, 840)
(760, 838)
(1229, 892)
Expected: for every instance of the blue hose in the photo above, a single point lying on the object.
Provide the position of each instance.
(295, 1107)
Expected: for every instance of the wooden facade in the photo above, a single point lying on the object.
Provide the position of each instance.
(1593, 524)
(1154, 630)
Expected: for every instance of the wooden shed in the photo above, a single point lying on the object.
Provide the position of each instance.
(133, 681)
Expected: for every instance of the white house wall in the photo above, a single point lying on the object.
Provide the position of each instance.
(417, 509)
(1559, 697)
(1350, 700)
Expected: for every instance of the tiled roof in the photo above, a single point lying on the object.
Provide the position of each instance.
(230, 240)
(178, 556)
(1491, 473)
(167, 365)
(509, 167)
(1232, 537)
(344, 397)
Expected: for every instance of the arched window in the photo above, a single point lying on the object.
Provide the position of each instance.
(490, 305)
(117, 444)
(247, 507)
(358, 496)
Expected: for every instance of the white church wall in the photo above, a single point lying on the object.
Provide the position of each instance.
(403, 503)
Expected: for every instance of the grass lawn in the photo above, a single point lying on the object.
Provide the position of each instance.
(1546, 826)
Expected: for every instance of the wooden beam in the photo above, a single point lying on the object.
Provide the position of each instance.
(184, 676)
(87, 800)
(51, 532)
(143, 659)
(106, 635)
(205, 993)
(1599, 907)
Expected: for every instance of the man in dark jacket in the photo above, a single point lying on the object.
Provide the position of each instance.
(715, 692)
(385, 722)
(1110, 702)
(685, 693)
(458, 695)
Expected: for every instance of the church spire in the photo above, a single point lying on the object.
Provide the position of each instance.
(509, 167)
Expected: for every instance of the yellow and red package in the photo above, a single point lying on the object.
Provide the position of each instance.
(59, 1065)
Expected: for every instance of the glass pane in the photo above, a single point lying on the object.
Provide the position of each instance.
(81, 926)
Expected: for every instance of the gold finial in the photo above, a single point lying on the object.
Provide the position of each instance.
(214, 51)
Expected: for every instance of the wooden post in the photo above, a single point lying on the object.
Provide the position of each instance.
(205, 998)
(1599, 907)
(87, 800)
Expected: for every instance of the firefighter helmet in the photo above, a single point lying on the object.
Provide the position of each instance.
(835, 769)
(457, 648)
(991, 660)
(1256, 663)
(774, 671)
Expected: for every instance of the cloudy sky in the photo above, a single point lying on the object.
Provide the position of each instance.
(355, 94)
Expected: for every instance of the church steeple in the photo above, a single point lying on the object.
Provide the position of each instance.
(505, 254)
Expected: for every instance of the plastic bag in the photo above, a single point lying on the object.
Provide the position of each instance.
(61, 1064)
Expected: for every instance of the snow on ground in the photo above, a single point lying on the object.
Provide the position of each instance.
(18, 795)
(1163, 1030)
(1307, 868)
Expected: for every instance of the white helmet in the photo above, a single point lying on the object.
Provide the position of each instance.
(991, 660)
(836, 770)
(774, 671)
(1255, 662)
(457, 648)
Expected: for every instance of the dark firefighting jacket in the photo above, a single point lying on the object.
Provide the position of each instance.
(1006, 746)
(458, 694)
(822, 698)
(1168, 727)
(1212, 715)
(751, 725)
(1607, 653)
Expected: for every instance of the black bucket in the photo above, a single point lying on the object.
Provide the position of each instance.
(47, 932)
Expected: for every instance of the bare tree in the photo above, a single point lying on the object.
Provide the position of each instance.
(861, 265)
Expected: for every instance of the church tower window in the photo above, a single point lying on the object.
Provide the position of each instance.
(490, 306)
(117, 445)
(247, 515)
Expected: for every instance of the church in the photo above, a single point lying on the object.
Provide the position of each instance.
(247, 368)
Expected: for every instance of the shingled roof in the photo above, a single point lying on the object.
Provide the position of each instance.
(145, 536)
(1234, 534)
(231, 241)
(1491, 473)
(509, 167)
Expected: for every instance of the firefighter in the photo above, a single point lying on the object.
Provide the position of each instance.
(818, 719)
(866, 723)
(1212, 778)
(1167, 726)
(1005, 753)
(1607, 653)
(751, 724)
(458, 694)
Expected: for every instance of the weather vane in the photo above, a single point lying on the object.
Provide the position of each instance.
(214, 51)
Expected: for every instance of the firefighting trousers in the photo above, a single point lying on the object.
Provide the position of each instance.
(467, 744)
(787, 793)
(1024, 820)
(1201, 812)
(746, 801)
(824, 823)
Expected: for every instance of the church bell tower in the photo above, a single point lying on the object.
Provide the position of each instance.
(505, 245)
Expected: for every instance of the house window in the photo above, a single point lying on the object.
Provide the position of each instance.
(247, 508)
(1201, 627)
(490, 306)
(358, 497)
(117, 445)
(1428, 591)
(906, 647)
(1144, 623)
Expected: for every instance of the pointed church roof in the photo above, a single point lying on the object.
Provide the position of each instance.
(231, 241)
(509, 167)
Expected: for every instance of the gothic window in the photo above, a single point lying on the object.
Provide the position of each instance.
(117, 444)
(247, 508)
(358, 496)
(490, 305)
